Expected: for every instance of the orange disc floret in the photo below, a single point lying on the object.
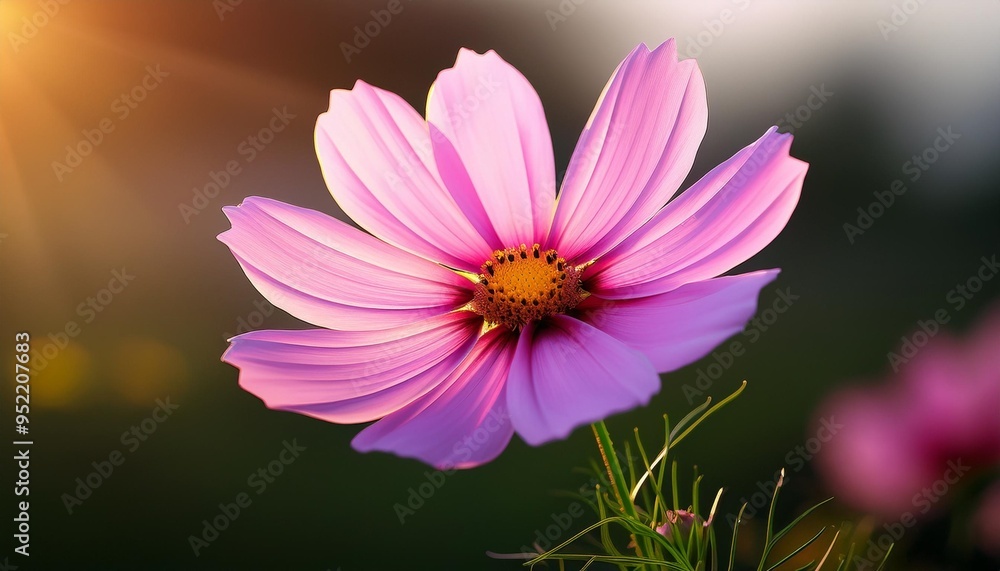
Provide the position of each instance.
(520, 285)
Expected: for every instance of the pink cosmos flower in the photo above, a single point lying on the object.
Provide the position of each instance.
(479, 303)
(909, 445)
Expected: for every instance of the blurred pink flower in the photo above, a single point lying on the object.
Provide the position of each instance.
(478, 304)
(904, 443)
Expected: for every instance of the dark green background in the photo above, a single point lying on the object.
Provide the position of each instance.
(332, 508)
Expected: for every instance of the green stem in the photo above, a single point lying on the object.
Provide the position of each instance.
(618, 484)
(615, 475)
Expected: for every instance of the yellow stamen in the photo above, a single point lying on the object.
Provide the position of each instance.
(520, 285)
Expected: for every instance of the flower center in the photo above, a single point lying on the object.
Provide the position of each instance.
(519, 285)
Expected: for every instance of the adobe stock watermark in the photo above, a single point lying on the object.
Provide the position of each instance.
(796, 459)
(31, 25)
(460, 112)
(317, 254)
(913, 169)
(587, 158)
(799, 116)
(582, 163)
(561, 521)
(462, 451)
(922, 503)
(726, 357)
(956, 299)
(899, 16)
(562, 13)
(247, 150)
(252, 320)
(258, 481)
(712, 29)
(224, 8)
(121, 108)
(87, 310)
(132, 439)
(365, 33)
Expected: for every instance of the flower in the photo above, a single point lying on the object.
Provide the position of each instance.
(478, 304)
(682, 519)
(907, 445)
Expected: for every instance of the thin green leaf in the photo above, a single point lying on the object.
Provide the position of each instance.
(654, 513)
(675, 440)
(801, 517)
(690, 417)
(625, 559)
(736, 531)
(828, 551)
(768, 543)
(675, 486)
(798, 550)
(885, 557)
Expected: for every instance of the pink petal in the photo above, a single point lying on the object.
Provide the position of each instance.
(947, 382)
(330, 274)
(375, 151)
(634, 153)
(720, 222)
(872, 463)
(492, 146)
(352, 376)
(677, 328)
(461, 423)
(567, 373)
